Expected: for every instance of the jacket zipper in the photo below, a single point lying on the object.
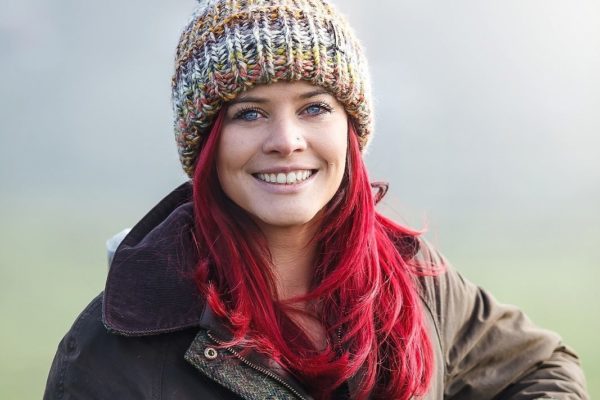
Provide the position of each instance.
(258, 368)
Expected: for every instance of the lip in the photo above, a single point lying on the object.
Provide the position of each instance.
(284, 169)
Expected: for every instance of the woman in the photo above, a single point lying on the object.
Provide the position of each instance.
(271, 275)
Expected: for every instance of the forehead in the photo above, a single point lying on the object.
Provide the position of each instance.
(281, 90)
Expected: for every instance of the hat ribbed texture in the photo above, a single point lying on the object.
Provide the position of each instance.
(232, 45)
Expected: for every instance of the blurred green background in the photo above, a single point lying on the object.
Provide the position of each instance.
(488, 129)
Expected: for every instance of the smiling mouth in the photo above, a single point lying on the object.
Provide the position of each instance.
(285, 178)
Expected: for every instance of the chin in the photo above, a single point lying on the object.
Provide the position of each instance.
(284, 219)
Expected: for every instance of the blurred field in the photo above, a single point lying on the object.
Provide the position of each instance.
(53, 263)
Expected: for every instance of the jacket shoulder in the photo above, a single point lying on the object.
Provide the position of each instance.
(92, 362)
(85, 359)
(490, 349)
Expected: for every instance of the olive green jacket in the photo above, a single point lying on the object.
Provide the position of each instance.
(150, 335)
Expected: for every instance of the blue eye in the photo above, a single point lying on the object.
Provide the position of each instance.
(247, 114)
(317, 109)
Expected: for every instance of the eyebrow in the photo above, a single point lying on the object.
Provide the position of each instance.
(262, 100)
(314, 93)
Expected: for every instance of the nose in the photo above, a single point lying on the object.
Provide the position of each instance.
(285, 137)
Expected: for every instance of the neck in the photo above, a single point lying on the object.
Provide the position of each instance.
(293, 255)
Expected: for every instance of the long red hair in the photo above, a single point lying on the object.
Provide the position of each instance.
(364, 289)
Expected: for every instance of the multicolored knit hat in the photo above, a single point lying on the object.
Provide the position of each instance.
(230, 46)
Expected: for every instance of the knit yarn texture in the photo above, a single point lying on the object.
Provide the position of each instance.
(229, 46)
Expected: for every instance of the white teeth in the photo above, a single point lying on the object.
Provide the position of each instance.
(283, 178)
(290, 178)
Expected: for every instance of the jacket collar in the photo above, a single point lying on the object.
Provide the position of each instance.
(150, 287)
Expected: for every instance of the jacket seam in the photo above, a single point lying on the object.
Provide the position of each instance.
(436, 326)
(158, 394)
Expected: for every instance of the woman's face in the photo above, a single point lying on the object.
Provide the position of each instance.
(282, 152)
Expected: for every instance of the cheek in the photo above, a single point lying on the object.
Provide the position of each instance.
(232, 152)
(338, 160)
(221, 162)
(338, 148)
(227, 161)
(334, 149)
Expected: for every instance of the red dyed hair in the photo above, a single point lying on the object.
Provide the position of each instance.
(368, 303)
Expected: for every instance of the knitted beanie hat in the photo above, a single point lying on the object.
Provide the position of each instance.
(229, 46)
